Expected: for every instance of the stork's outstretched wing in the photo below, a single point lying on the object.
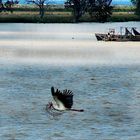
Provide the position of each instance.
(65, 96)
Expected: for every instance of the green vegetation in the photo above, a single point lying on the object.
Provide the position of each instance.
(123, 17)
(124, 9)
(58, 14)
(137, 5)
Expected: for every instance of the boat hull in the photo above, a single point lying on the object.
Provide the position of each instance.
(105, 37)
(100, 37)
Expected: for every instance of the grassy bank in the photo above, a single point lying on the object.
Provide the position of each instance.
(30, 14)
(33, 17)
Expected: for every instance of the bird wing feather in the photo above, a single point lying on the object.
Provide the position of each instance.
(65, 96)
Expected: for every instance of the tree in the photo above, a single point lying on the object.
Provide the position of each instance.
(101, 9)
(40, 4)
(138, 8)
(79, 7)
(133, 1)
(137, 4)
(8, 5)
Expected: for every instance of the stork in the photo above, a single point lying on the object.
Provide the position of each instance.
(63, 100)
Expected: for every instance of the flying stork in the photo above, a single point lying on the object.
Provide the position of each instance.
(63, 100)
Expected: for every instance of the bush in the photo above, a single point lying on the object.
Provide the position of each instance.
(124, 18)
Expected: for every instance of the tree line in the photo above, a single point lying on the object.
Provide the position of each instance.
(99, 9)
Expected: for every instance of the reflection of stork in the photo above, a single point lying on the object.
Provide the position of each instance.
(63, 101)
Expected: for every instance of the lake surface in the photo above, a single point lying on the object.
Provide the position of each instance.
(104, 77)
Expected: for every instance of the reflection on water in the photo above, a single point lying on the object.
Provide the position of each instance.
(104, 77)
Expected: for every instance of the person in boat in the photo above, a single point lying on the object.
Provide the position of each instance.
(109, 36)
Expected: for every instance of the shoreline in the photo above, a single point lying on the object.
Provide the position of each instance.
(60, 19)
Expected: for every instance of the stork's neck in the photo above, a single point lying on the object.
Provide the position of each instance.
(58, 106)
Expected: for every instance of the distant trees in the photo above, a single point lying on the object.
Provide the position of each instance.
(100, 9)
(40, 4)
(8, 5)
(137, 4)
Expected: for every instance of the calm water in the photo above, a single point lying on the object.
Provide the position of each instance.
(104, 76)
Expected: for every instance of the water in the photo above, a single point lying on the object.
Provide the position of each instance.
(104, 77)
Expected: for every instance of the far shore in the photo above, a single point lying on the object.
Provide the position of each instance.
(30, 14)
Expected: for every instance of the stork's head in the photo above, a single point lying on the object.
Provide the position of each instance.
(50, 105)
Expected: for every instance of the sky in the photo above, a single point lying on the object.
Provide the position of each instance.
(123, 2)
(114, 2)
